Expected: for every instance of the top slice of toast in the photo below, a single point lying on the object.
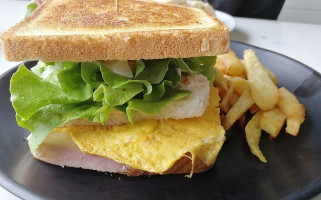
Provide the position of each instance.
(90, 30)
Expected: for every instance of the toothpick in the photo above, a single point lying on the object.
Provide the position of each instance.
(116, 5)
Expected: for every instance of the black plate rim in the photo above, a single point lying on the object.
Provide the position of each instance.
(16, 189)
(20, 191)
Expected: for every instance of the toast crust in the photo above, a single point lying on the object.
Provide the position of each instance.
(71, 30)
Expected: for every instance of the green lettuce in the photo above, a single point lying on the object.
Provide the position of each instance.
(54, 115)
(51, 94)
(30, 8)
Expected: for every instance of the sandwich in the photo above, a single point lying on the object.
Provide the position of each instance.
(119, 87)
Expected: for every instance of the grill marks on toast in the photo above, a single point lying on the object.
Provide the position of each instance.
(91, 30)
(101, 16)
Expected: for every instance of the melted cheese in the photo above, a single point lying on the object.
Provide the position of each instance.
(155, 145)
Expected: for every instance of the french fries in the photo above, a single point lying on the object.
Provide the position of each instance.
(248, 86)
(272, 121)
(254, 109)
(230, 64)
(234, 65)
(238, 109)
(294, 111)
(264, 91)
(253, 135)
(225, 103)
(293, 125)
(240, 84)
(234, 98)
(220, 81)
(272, 76)
(242, 122)
(220, 65)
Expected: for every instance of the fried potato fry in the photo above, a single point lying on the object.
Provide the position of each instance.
(221, 92)
(272, 76)
(230, 64)
(264, 91)
(253, 135)
(244, 75)
(240, 84)
(234, 98)
(254, 109)
(220, 65)
(238, 109)
(225, 103)
(248, 85)
(294, 111)
(272, 121)
(220, 80)
(293, 124)
(242, 122)
(236, 67)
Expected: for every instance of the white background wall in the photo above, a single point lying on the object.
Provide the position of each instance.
(305, 11)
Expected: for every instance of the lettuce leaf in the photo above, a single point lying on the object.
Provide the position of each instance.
(153, 70)
(30, 8)
(115, 80)
(200, 65)
(90, 73)
(158, 91)
(49, 117)
(73, 85)
(29, 93)
(53, 93)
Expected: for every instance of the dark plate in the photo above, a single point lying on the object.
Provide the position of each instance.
(293, 169)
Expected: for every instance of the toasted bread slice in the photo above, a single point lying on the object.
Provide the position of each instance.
(90, 30)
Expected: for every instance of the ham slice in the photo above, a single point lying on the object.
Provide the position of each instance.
(59, 149)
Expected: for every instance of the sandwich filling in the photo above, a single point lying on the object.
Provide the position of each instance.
(54, 93)
(150, 145)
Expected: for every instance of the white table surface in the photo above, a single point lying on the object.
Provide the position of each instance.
(299, 41)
